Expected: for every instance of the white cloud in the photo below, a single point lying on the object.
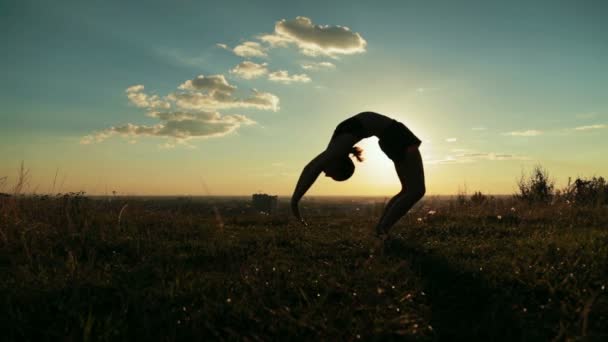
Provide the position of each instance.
(195, 114)
(527, 133)
(180, 57)
(135, 88)
(249, 49)
(451, 140)
(222, 46)
(472, 157)
(461, 150)
(184, 129)
(422, 90)
(180, 116)
(210, 83)
(590, 127)
(318, 66)
(315, 40)
(275, 40)
(249, 70)
(179, 126)
(263, 100)
(480, 128)
(284, 77)
(586, 115)
(136, 96)
(221, 100)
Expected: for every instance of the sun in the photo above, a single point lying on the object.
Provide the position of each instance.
(376, 169)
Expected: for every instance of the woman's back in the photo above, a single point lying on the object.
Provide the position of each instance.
(374, 123)
(394, 137)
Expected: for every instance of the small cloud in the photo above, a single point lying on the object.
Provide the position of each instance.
(587, 115)
(262, 100)
(181, 57)
(177, 126)
(451, 140)
(480, 128)
(472, 157)
(284, 77)
(137, 97)
(222, 46)
(135, 88)
(249, 70)
(590, 127)
(460, 150)
(506, 156)
(167, 145)
(220, 100)
(527, 133)
(87, 139)
(315, 40)
(275, 40)
(249, 49)
(318, 66)
(209, 83)
(422, 90)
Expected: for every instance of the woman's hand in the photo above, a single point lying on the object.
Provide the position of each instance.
(308, 176)
(296, 212)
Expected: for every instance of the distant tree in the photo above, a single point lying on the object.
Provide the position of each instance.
(593, 191)
(536, 187)
(461, 196)
(478, 197)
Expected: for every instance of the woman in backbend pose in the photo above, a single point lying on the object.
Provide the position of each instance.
(395, 140)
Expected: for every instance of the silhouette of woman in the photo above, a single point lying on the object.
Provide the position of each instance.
(395, 140)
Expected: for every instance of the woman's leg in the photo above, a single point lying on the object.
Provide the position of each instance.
(411, 175)
(389, 205)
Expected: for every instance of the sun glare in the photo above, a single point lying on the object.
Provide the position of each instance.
(376, 168)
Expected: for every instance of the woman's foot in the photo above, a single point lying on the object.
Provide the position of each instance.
(381, 233)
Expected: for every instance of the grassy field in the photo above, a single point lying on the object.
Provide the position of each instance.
(76, 268)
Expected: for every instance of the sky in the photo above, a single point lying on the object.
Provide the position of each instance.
(235, 97)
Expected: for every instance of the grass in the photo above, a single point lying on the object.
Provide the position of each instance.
(78, 268)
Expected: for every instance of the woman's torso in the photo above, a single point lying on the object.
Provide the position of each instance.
(364, 125)
(374, 123)
(393, 136)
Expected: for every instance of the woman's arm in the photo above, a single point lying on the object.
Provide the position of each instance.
(339, 146)
(309, 175)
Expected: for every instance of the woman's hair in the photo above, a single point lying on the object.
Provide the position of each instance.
(357, 152)
(343, 168)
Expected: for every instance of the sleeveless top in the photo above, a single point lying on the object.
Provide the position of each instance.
(394, 140)
(352, 126)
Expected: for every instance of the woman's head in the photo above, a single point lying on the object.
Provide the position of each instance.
(340, 169)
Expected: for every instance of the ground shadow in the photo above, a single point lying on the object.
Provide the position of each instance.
(464, 305)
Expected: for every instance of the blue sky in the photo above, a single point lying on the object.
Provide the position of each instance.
(492, 88)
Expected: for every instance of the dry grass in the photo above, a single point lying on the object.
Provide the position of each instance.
(114, 268)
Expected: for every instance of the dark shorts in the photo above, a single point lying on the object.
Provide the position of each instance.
(396, 139)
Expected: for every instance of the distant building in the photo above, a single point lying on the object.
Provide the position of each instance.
(265, 203)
